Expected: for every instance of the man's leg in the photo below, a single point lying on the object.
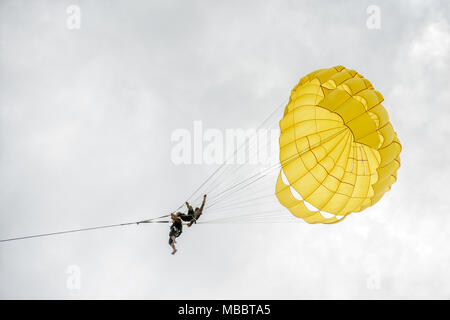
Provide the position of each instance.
(172, 244)
(194, 218)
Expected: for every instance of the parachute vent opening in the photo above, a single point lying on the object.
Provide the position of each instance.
(295, 194)
(327, 214)
(310, 206)
(283, 178)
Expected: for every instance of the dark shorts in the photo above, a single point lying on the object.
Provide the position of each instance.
(186, 217)
(171, 235)
(174, 232)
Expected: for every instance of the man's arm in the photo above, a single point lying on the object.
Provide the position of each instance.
(203, 203)
(188, 206)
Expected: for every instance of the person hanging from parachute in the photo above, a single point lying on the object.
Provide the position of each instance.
(193, 215)
(175, 231)
(177, 222)
(186, 217)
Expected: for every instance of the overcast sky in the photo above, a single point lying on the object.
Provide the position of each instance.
(86, 118)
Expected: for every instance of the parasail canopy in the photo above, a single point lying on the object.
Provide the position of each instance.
(338, 151)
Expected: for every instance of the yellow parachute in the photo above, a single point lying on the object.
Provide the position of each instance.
(338, 150)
